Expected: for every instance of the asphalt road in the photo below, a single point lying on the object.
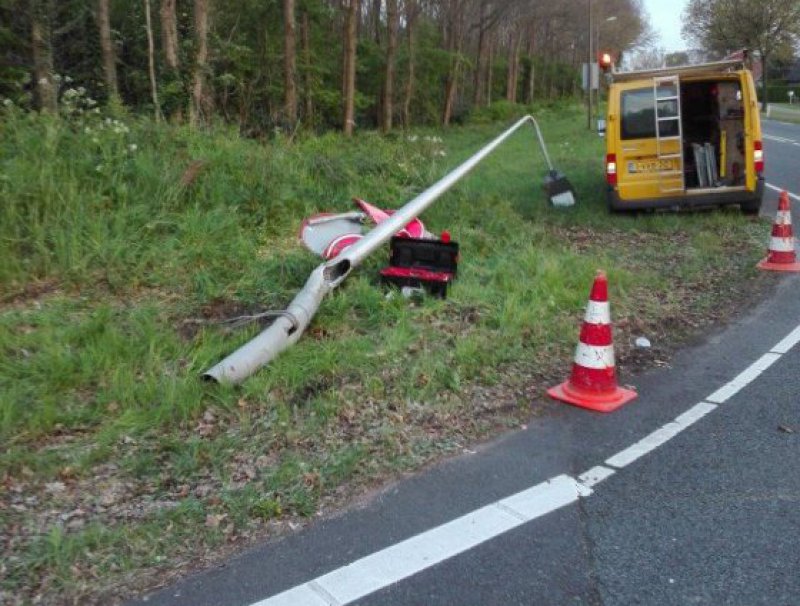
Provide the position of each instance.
(711, 516)
(782, 158)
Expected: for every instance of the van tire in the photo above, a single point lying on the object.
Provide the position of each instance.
(751, 207)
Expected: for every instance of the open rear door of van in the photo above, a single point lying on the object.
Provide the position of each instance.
(650, 162)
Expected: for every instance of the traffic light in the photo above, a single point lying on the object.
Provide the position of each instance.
(605, 61)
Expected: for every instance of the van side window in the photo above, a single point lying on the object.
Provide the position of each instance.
(639, 116)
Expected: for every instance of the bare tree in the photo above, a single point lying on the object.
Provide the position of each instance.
(308, 98)
(731, 25)
(453, 26)
(200, 107)
(289, 63)
(169, 34)
(42, 47)
(412, 12)
(512, 76)
(107, 51)
(387, 105)
(151, 61)
(349, 72)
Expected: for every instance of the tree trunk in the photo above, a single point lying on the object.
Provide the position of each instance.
(41, 42)
(531, 69)
(531, 82)
(453, 44)
(490, 70)
(477, 93)
(764, 96)
(377, 5)
(393, 21)
(308, 99)
(169, 34)
(289, 64)
(349, 73)
(151, 61)
(512, 78)
(107, 51)
(411, 17)
(200, 107)
(169, 42)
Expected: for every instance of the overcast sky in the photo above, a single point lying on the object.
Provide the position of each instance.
(665, 17)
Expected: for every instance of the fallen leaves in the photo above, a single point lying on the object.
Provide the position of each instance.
(213, 520)
(207, 424)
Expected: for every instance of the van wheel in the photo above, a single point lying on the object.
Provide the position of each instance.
(751, 207)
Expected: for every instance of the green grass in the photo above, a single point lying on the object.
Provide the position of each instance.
(107, 255)
(783, 111)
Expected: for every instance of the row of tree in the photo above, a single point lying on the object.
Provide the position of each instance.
(771, 28)
(320, 63)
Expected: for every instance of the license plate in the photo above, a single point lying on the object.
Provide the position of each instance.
(650, 166)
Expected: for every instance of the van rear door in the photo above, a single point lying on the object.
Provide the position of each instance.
(649, 150)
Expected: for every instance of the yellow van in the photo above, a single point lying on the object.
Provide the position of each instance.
(684, 137)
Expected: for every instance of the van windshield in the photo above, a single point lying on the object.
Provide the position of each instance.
(639, 115)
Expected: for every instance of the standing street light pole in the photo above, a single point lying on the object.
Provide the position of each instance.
(598, 53)
(589, 70)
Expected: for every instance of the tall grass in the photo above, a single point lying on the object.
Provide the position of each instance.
(114, 256)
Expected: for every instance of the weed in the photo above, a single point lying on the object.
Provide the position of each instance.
(117, 460)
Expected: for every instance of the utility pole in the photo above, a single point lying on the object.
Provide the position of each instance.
(589, 70)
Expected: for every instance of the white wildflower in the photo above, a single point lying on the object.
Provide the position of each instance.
(87, 130)
(95, 140)
(133, 147)
(8, 102)
(67, 79)
(99, 168)
(441, 152)
(412, 138)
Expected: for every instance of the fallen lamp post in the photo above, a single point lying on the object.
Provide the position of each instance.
(290, 324)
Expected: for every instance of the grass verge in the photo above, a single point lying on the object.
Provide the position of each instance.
(123, 243)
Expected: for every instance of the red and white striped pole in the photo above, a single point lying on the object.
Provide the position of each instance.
(593, 382)
(781, 255)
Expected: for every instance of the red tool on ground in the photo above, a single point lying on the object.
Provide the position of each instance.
(328, 234)
(593, 382)
(781, 255)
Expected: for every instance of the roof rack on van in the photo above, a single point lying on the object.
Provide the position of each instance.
(682, 70)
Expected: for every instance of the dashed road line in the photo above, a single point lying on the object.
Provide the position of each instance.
(401, 560)
(778, 139)
(744, 378)
(781, 189)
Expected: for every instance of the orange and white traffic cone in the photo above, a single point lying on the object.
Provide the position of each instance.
(781, 255)
(593, 383)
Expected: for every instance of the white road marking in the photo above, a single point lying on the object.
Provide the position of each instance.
(660, 436)
(402, 560)
(780, 139)
(744, 378)
(595, 475)
(694, 414)
(302, 594)
(780, 189)
(789, 341)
